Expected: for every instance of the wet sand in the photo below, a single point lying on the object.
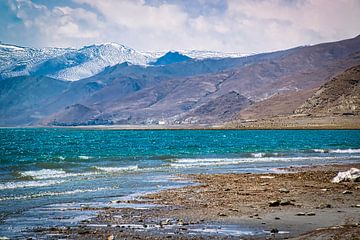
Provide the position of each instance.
(296, 203)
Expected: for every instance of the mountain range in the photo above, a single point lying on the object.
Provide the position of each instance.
(113, 84)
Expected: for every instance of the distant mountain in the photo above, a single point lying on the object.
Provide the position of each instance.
(341, 95)
(89, 61)
(75, 64)
(212, 90)
(20, 61)
(169, 58)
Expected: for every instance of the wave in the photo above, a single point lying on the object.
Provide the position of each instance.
(29, 184)
(258, 155)
(345, 151)
(320, 150)
(83, 157)
(203, 162)
(336, 150)
(51, 173)
(117, 169)
(47, 194)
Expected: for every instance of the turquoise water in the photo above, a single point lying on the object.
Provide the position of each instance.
(44, 171)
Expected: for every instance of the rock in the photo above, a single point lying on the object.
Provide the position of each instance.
(347, 192)
(324, 205)
(182, 223)
(310, 214)
(165, 222)
(357, 205)
(300, 214)
(324, 189)
(277, 218)
(284, 190)
(274, 203)
(222, 214)
(274, 230)
(111, 237)
(285, 202)
(351, 175)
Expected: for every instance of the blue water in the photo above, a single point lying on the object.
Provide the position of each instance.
(44, 171)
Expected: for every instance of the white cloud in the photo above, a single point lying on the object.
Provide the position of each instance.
(245, 25)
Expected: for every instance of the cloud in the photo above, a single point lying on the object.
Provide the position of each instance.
(232, 25)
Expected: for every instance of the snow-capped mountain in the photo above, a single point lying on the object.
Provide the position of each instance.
(74, 64)
(19, 61)
(199, 54)
(89, 61)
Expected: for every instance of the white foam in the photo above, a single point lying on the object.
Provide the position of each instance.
(61, 157)
(46, 194)
(118, 169)
(258, 155)
(321, 150)
(29, 184)
(52, 173)
(83, 157)
(203, 162)
(345, 151)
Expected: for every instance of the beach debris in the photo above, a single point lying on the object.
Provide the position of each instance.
(347, 192)
(274, 203)
(300, 214)
(351, 175)
(111, 237)
(284, 190)
(310, 214)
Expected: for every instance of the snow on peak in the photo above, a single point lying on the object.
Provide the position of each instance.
(74, 64)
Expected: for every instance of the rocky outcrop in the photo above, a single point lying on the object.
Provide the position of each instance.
(339, 96)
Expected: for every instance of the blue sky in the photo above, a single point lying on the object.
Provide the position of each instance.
(158, 25)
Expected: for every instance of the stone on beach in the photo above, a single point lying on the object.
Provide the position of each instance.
(351, 175)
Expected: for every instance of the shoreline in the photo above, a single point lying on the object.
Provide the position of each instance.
(290, 122)
(228, 206)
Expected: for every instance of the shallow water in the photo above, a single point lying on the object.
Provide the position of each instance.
(42, 168)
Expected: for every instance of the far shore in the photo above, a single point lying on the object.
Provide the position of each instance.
(291, 203)
(291, 122)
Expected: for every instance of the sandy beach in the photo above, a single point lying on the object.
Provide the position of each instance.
(293, 203)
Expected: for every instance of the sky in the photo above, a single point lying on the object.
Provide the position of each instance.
(244, 26)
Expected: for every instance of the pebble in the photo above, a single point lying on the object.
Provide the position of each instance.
(274, 230)
(285, 202)
(274, 203)
(347, 192)
(222, 214)
(310, 214)
(284, 190)
(300, 214)
(324, 205)
(277, 218)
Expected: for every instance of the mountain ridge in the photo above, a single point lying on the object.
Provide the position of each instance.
(199, 91)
